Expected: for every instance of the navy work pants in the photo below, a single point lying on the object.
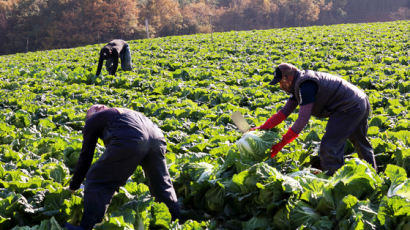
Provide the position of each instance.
(346, 125)
(115, 166)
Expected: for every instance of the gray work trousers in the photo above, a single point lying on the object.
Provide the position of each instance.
(346, 125)
(115, 166)
(125, 56)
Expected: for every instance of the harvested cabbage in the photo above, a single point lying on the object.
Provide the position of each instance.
(254, 145)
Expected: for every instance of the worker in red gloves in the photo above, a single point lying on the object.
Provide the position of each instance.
(323, 95)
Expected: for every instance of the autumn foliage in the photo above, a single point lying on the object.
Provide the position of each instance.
(28, 25)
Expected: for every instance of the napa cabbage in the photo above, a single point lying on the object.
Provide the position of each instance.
(254, 145)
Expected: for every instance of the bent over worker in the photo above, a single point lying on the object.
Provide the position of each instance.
(324, 95)
(130, 139)
(111, 52)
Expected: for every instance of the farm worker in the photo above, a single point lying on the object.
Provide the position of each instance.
(323, 95)
(111, 52)
(130, 139)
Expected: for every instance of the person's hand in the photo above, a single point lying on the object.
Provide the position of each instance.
(315, 171)
(275, 149)
(286, 139)
(254, 128)
(70, 190)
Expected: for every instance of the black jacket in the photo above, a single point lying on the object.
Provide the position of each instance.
(117, 127)
(111, 52)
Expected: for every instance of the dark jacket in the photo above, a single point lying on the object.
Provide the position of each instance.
(125, 128)
(111, 52)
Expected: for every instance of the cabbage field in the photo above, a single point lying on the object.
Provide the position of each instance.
(189, 86)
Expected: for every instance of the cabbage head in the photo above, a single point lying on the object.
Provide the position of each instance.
(253, 145)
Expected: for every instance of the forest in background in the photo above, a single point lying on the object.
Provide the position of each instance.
(30, 25)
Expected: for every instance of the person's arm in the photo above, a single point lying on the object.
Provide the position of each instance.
(92, 130)
(100, 62)
(305, 112)
(289, 107)
(90, 138)
(278, 117)
(308, 92)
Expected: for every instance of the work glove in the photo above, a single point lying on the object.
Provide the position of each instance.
(286, 139)
(271, 122)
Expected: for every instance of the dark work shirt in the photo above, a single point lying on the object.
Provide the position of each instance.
(93, 129)
(308, 90)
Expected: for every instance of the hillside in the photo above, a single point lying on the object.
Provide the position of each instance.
(189, 86)
(44, 25)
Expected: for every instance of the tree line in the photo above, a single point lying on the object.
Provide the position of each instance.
(29, 25)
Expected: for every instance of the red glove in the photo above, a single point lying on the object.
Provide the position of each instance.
(272, 121)
(286, 139)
